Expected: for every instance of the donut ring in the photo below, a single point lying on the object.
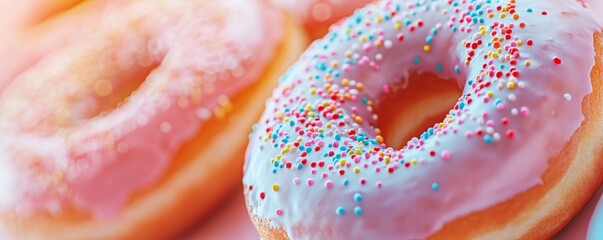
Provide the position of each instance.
(503, 163)
(133, 132)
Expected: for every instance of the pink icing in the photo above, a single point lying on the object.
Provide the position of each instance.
(518, 108)
(56, 150)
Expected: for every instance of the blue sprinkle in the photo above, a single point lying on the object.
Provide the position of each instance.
(461, 105)
(337, 137)
(339, 211)
(346, 182)
(417, 60)
(274, 170)
(357, 197)
(530, 10)
(358, 211)
(435, 187)
(457, 69)
(429, 39)
(488, 139)
(439, 68)
(300, 166)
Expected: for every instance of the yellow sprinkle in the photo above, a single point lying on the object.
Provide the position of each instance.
(490, 94)
(414, 161)
(356, 169)
(426, 48)
(278, 157)
(528, 63)
(363, 39)
(387, 159)
(503, 15)
(490, 15)
(275, 187)
(358, 151)
(345, 82)
(511, 85)
(342, 162)
(519, 43)
(329, 125)
(398, 25)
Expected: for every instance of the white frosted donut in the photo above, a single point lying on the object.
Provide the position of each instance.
(503, 162)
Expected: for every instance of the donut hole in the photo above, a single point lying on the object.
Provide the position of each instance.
(422, 101)
(113, 91)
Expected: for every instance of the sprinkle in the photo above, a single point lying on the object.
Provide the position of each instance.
(557, 60)
(279, 212)
(357, 197)
(567, 96)
(435, 186)
(358, 211)
(329, 184)
(275, 187)
(339, 211)
(310, 182)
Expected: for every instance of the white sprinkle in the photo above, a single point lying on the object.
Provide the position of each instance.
(378, 57)
(514, 111)
(567, 96)
(490, 130)
(496, 136)
(512, 97)
(521, 84)
(388, 44)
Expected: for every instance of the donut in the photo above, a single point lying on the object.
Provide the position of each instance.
(317, 15)
(139, 128)
(514, 155)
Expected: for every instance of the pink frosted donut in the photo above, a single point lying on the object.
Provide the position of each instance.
(517, 155)
(133, 132)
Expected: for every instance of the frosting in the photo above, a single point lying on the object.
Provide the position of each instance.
(57, 150)
(318, 168)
